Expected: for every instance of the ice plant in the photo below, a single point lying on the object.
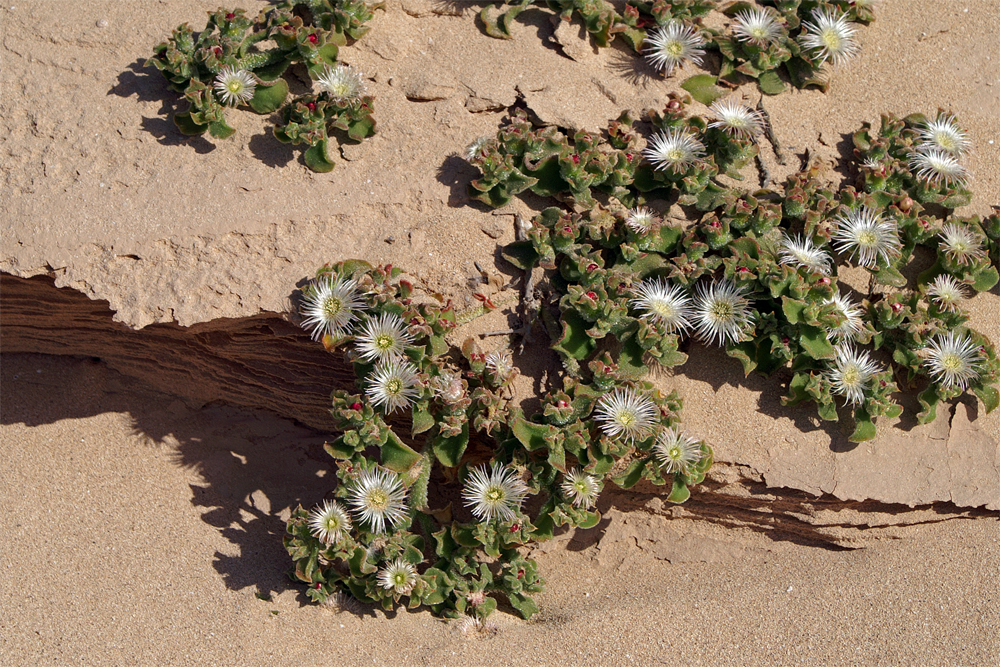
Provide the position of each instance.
(382, 338)
(952, 359)
(640, 220)
(394, 384)
(235, 86)
(799, 251)
(960, 244)
(672, 44)
(937, 167)
(946, 292)
(398, 576)
(495, 493)
(736, 119)
(944, 133)
(343, 83)
(722, 313)
(624, 414)
(500, 366)
(329, 305)
(758, 26)
(852, 324)
(851, 374)
(674, 149)
(473, 150)
(580, 488)
(831, 36)
(676, 451)
(329, 522)
(448, 387)
(667, 305)
(377, 498)
(867, 237)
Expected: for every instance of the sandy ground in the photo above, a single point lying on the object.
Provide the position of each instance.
(139, 529)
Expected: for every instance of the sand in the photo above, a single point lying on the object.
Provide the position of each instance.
(143, 527)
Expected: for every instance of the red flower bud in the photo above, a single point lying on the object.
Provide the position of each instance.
(592, 295)
(591, 267)
(514, 527)
(897, 307)
(355, 406)
(562, 404)
(576, 158)
(520, 573)
(905, 204)
(628, 156)
(824, 281)
(230, 16)
(313, 39)
(311, 106)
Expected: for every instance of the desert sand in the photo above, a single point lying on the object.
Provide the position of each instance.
(144, 510)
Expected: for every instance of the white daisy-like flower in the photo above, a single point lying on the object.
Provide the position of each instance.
(676, 451)
(852, 373)
(500, 366)
(626, 415)
(961, 244)
(799, 251)
(640, 220)
(938, 167)
(398, 576)
(673, 43)
(235, 86)
(329, 305)
(722, 313)
(952, 360)
(495, 493)
(580, 488)
(448, 387)
(663, 303)
(758, 26)
(377, 497)
(867, 237)
(946, 292)
(674, 149)
(831, 35)
(736, 119)
(872, 163)
(329, 522)
(472, 150)
(852, 324)
(342, 82)
(382, 338)
(393, 384)
(944, 133)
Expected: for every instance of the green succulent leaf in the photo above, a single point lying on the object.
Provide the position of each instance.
(267, 99)
(702, 88)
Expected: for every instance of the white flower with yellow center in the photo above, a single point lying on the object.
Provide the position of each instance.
(952, 360)
(799, 251)
(580, 488)
(393, 384)
(831, 36)
(382, 338)
(852, 374)
(328, 305)
(736, 119)
(329, 522)
(851, 325)
(758, 26)
(494, 494)
(640, 220)
(946, 292)
(867, 237)
(676, 150)
(672, 44)
(667, 305)
(722, 313)
(343, 83)
(676, 451)
(938, 167)
(961, 244)
(623, 414)
(398, 576)
(235, 86)
(377, 497)
(944, 133)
